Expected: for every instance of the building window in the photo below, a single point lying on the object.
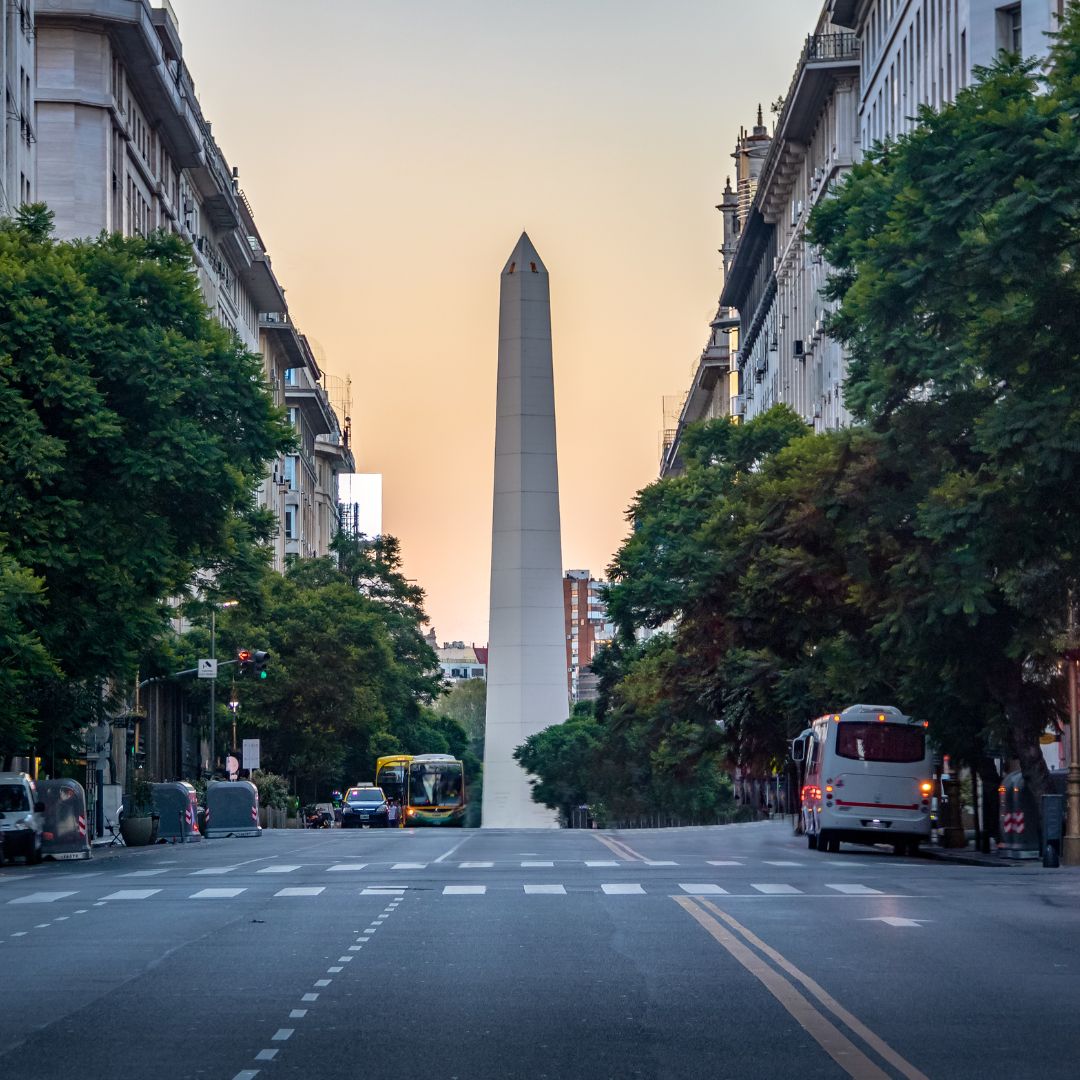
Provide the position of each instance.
(290, 377)
(290, 471)
(1010, 37)
(294, 417)
(290, 523)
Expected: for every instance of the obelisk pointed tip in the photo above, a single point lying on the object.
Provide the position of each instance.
(524, 259)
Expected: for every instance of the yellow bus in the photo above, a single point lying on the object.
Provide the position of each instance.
(392, 774)
(436, 791)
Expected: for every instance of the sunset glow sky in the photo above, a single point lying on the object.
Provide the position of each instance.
(393, 151)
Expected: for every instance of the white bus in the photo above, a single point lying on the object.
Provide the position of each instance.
(867, 778)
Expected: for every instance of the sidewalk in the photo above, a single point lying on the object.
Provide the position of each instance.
(970, 857)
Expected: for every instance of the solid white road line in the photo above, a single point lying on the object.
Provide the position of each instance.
(447, 854)
(216, 894)
(545, 890)
(623, 890)
(464, 890)
(776, 890)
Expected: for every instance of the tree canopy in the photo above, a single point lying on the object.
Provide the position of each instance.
(133, 430)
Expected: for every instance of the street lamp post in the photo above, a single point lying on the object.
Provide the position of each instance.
(1070, 850)
(213, 682)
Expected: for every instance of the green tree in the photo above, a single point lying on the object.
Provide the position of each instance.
(956, 274)
(133, 429)
(466, 703)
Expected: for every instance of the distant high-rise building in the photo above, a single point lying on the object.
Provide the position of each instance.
(17, 123)
(360, 496)
(587, 629)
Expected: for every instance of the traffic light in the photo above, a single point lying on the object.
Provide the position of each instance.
(259, 658)
(245, 660)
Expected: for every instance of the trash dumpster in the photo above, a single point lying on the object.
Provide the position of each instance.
(232, 809)
(1019, 815)
(65, 835)
(178, 808)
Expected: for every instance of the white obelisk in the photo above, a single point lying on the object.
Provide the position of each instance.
(527, 689)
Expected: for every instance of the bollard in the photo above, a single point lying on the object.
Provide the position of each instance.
(1052, 820)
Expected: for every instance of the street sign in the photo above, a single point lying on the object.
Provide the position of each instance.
(251, 754)
(207, 668)
(232, 767)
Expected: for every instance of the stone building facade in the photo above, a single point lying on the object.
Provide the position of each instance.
(17, 155)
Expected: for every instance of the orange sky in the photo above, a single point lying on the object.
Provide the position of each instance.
(394, 150)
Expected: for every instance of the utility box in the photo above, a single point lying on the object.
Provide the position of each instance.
(177, 807)
(66, 834)
(232, 809)
(1020, 835)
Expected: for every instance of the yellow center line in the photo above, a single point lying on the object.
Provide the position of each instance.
(619, 848)
(825, 1033)
(877, 1044)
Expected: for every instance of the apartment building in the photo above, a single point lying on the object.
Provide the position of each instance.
(19, 132)
(587, 629)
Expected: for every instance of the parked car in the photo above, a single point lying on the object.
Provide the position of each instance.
(365, 807)
(22, 818)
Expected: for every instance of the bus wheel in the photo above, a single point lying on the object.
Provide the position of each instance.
(824, 839)
(811, 841)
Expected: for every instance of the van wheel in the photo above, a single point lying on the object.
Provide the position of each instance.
(811, 841)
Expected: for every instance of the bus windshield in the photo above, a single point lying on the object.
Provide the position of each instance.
(895, 743)
(435, 785)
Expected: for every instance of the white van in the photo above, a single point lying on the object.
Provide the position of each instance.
(22, 818)
(867, 778)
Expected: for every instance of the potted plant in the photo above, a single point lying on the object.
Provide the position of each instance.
(136, 826)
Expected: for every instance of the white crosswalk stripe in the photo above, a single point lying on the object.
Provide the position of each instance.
(145, 873)
(602, 862)
(855, 890)
(724, 862)
(659, 862)
(545, 890)
(544, 864)
(476, 865)
(309, 890)
(464, 890)
(409, 866)
(348, 866)
(213, 870)
(131, 894)
(704, 890)
(41, 898)
(781, 862)
(278, 868)
(216, 894)
(776, 890)
(382, 890)
(623, 890)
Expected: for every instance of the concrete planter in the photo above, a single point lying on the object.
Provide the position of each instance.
(136, 830)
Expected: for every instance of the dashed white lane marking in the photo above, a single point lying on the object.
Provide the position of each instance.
(246, 1074)
(146, 873)
(281, 1034)
(277, 868)
(100, 903)
(355, 948)
(704, 890)
(322, 982)
(302, 890)
(348, 866)
(368, 938)
(40, 897)
(781, 862)
(345, 959)
(266, 1055)
(216, 894)
(894, 920)
(334, 970)
(464, 890)
(41, 925)
(724, 862)
(213, 870)
(776, 890)
(537, 864)
(382, 890)
(131, 894)
(855, 890)
(409, 866)
(61, 918)
(81, 911)
(623, 890)
(476, 865)
(297, 1014)
(20, 933)
(601, 862)
(310, 997)
(545, 890)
